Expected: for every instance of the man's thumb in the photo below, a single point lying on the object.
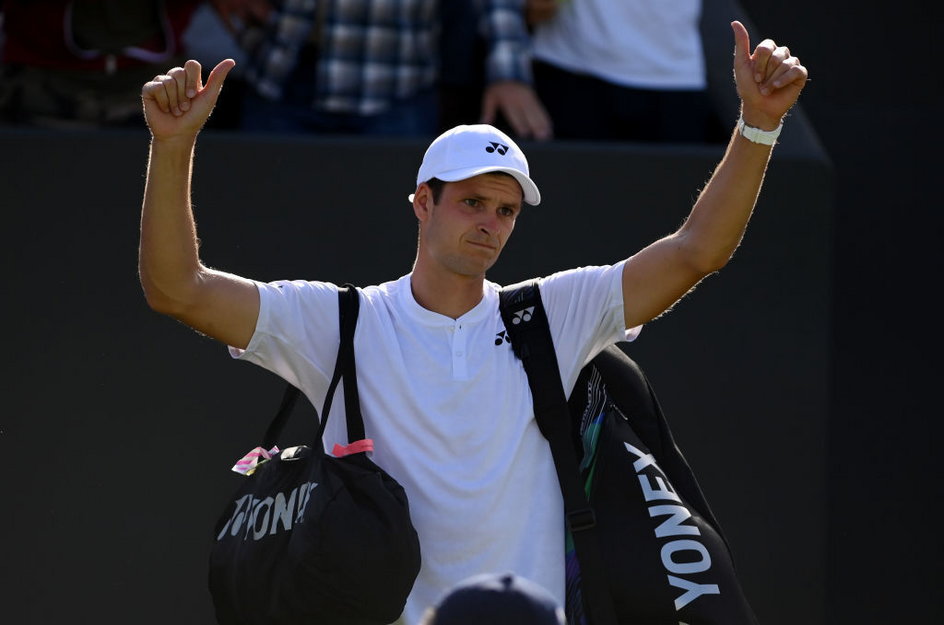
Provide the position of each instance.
(742, 41)
(215, 80)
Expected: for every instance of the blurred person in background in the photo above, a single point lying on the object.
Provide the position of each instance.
(80, 63)
(373, 66)
(623, 69)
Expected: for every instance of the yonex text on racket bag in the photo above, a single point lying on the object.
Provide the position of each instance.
(643, 546)
(312, 538)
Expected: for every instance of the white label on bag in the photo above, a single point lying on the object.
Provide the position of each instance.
(260, 517)
(656, 488)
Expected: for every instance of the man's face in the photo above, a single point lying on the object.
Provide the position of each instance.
(465, 231)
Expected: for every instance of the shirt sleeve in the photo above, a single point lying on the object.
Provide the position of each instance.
(297, 333)
(585, 312)
(502, 24)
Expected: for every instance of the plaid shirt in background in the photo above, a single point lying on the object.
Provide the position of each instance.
(374, 52)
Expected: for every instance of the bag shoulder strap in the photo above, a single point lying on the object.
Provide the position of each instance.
(344, 367)
(526, 324)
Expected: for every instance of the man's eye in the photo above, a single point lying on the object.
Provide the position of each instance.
(472, 202)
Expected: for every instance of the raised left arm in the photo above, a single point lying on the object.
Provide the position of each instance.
(769, 81)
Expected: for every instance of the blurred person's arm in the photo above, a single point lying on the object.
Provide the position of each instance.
(508, 77)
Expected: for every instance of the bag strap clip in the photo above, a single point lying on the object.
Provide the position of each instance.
(581, 519)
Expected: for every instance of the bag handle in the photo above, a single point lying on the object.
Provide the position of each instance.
(345, 366)
(526, 323)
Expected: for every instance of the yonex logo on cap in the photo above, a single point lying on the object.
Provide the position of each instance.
(457, 155)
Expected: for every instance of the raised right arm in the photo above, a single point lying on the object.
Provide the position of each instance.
(175, 282)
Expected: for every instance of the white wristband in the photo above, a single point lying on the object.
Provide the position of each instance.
(756, 135)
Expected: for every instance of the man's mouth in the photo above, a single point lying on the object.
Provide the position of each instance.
(484, 244)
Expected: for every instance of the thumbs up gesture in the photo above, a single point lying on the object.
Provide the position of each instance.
(177, 104)
(769, 79)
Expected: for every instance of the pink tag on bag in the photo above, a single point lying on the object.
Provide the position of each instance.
(356, 447)
(248, 463)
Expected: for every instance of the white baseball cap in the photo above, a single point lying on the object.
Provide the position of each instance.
(467, 151)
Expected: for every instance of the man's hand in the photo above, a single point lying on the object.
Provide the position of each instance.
(768, 81)
(520, 106)
(177, 104)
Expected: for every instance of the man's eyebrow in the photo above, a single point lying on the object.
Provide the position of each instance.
(515, 205)
(475, 195)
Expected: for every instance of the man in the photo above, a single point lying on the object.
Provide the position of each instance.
(449, 409)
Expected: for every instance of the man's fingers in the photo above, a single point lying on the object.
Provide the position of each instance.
(761, 58)
(775, 60)
(170, 90)
(778, 66)
(775, 77)
(194, 78)
(179, 90)
(788, 72)
(156, 92)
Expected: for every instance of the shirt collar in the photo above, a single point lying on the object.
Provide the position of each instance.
(408, 304)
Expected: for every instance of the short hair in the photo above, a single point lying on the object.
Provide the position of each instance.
(436, 187)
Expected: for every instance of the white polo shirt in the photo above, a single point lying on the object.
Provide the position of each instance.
(450, 412)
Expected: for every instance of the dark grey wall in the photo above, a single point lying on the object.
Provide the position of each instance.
(870, 103)
(119, 426)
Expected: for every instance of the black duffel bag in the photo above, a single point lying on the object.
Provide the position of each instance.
(314, 538)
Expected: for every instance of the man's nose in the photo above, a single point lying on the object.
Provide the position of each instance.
(489, 224)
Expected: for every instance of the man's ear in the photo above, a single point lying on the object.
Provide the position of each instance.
(422, 201)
